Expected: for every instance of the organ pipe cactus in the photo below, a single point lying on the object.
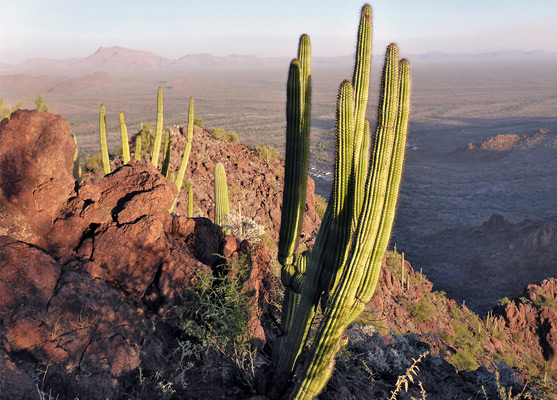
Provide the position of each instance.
(343, 267)
(125, 141)
(158, 134)
(222, 204)
(190, 199)
(298, 113)
(186, 156)
(104, 145)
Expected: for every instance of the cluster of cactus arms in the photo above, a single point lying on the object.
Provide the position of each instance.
(158, 134)
(104, 144)
(222, 204)
(125, 141)
(341, 271)
(186, 156)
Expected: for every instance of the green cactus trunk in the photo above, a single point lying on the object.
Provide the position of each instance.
(222, 204)
(76, 167)
(166, 160)
(125, 141)
(158, 134)
(298, 118)
(190, 199)
(186, 155)
(104, 145)
(138, 148)
(345, 261)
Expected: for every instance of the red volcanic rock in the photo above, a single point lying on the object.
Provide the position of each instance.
(36, 156)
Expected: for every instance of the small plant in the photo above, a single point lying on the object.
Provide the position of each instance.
(320, 205)
(198, 122)
(215, 315)
(407, 377)
(243, 228)
(267, 153)
(94, 163)
(41, 104)
(7, 110)
(221, 134)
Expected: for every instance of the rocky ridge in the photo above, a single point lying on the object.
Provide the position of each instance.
(90, 284)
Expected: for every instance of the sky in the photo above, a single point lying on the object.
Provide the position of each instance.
(267, 28)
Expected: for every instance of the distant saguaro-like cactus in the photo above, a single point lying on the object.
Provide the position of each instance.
(186, 156)
(104, 145)
(137, 155)
(158, 134)
(125, 140)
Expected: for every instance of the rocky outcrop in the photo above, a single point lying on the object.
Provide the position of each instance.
(36, 155)
(90, 285)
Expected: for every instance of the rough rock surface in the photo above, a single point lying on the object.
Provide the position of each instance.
(88, 295)
(36, 155)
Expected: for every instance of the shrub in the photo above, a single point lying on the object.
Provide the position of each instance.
(94, 163)
(147, 134)
(320, 205)
(214, 317)
(267, 153)
(198, 122)
(7, 110)
(220, 134)
(243, 228)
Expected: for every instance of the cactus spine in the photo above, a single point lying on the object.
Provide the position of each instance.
(344, 263)
(158, 135)
(104, 145)
(138, 148)
(186, 155)
(222, 205)
(125, 141)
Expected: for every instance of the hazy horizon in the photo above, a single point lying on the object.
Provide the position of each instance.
(172, 29)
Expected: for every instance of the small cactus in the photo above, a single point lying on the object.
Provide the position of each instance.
(104, 145)
(222, 204)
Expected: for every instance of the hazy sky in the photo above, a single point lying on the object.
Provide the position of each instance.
(173, 28)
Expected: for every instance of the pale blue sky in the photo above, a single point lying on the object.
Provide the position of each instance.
(173, 28)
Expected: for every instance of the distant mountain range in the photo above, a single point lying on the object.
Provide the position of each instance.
(116, 58)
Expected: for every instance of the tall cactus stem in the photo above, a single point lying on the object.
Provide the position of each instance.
(186, 155)
(125, 140)
(76, 167)
(190, 199)
(138, 148)
(166, 151)
(104, 145)
(158, 134)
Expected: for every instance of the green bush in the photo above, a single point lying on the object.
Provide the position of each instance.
(421, 311)
(221, 134)
(94, 163)
(7, 110)
(214, 317)
(198, 122)
(267, 153)
(147, 134)
(320, 205)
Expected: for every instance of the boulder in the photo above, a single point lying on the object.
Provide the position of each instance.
(36, 157)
